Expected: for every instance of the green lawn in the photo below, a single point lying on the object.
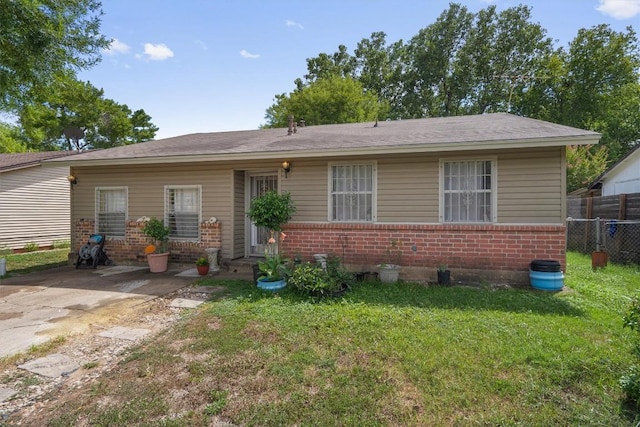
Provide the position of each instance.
(34, 261)
(400, 355)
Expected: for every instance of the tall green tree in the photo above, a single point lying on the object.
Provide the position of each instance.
(77, 116)
(333, 99)
(41, 39)
(10, 140)
(584, 165)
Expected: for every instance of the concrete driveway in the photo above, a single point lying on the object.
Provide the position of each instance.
(37, 307)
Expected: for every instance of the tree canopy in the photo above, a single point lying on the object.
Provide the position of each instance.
(489, 61)
(330, 99)
(76, 116)
(42, 39)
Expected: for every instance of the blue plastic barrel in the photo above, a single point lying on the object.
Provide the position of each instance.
(545, 281)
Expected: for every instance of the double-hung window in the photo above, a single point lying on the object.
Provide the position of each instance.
(352, 192)
(111, 210)
(182, 211)
(468, 191)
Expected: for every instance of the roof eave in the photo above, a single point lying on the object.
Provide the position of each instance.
(338, 152)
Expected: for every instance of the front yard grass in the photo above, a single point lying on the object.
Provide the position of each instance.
(385, 354)
(27, 262)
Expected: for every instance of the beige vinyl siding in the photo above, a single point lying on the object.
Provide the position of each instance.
(307, 182)
(530, 186)
(146, 184)
(34, 206)
(408, 189)
(239, 220)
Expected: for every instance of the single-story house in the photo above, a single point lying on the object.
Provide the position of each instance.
(483, 194)
(34, 201)
(623, 177)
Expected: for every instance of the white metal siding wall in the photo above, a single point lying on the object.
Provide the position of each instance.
(34, 206)
(624, 181)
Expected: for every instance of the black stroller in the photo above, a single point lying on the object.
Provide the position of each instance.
(92, 252)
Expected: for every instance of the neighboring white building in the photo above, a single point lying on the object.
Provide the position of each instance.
(34, 200)
(623, 177)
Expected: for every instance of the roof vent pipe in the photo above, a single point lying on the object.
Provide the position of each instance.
(290, 131)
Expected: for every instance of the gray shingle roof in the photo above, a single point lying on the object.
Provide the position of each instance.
(436, 134)
(23, 160)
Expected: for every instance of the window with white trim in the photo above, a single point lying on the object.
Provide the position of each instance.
(352, 191)
(467, 191)
(182, 211)
(111, 211)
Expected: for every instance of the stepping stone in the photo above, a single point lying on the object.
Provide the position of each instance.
(52, 366)
(185, 303)
(6, 393)
(123, 333)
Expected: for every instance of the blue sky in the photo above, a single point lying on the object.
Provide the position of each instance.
(216, 65)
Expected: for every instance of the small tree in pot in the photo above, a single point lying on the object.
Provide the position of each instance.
(158, 251)
(272, 211)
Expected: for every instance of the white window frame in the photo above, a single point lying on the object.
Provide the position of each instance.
(167, 188)
(97, 211)
(374, 192)
(494, 188)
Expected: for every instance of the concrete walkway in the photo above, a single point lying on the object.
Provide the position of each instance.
(39, 306)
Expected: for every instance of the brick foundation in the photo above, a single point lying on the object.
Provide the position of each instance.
(473, 253)
(130, 249)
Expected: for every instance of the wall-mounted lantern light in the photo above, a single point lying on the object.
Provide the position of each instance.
(286, 167)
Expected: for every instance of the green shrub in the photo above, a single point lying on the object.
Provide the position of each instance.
(61, 244)
(311, 279)
(31, 247)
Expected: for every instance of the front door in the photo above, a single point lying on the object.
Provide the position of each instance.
(258, 185)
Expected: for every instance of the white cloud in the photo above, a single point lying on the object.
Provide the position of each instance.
(157, 52)
(116, 46)
(248, 55)
(619, 9)
(293, 24)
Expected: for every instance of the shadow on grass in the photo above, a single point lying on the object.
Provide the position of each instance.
(416, 295)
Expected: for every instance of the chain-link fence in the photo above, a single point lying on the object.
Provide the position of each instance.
(619, 239)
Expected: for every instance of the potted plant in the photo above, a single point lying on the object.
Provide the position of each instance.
(202, 265)
(389, 271)
(158, 250)
(272, 210)
(443, 274)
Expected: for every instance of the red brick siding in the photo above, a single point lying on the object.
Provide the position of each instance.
(131, 247)
(492, 248)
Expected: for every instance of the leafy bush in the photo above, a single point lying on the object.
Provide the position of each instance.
(312, 280)
(31, 247)
(158, 233)
(61, 244)
(271, 210)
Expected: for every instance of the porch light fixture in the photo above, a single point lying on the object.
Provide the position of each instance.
(72, 180)
(286, 167)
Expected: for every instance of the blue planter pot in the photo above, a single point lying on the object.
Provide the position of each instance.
(546, 281)
(271, 285)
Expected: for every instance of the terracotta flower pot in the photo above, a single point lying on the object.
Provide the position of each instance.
(202, 269)
(158, 263)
